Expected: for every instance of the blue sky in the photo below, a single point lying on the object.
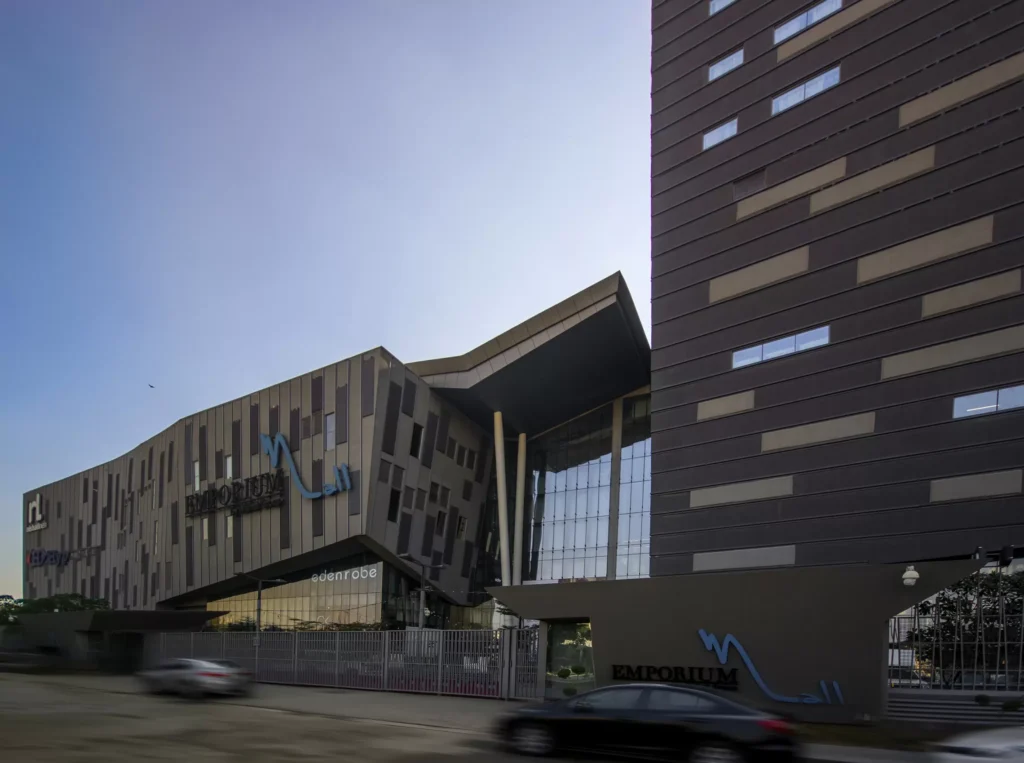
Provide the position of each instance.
(423, 176)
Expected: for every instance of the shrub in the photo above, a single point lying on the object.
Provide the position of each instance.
(1012, 706)
(579, 670)
(564, 673)
(983, 699)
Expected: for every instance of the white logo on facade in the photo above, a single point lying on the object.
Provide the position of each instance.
(356, 574)
(36, 520)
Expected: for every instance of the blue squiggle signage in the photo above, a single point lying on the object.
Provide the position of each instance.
(721, 650)
(274, 448)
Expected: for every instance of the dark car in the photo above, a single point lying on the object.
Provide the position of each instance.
(652, 721)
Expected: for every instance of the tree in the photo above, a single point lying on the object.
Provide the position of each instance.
(11, 608)
(971, 631)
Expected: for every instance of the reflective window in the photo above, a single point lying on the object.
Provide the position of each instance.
(716, 5)
(569, 486)
(329, 431)
(808, 340)
(720, 133)
(625, 698)
(678, 701)
(229, 530)
(989, 402)
(348, 597)
(726, 65)
(195, 476)
(206, 528)
(808, 18)
(229, 472)
(633, 549)
(807, 90)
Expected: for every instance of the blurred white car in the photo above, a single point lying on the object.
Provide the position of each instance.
(197, 678)
(1003, 744)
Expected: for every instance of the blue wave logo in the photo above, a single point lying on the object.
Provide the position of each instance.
(278, 446)
(721, 650)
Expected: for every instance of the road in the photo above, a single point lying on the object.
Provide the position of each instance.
(43, 721)
(88, 719)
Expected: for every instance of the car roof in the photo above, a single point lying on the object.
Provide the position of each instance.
(674, 687)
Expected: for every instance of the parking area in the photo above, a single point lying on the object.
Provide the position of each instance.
(66, 719)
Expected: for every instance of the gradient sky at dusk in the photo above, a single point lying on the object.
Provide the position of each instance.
(421, 175)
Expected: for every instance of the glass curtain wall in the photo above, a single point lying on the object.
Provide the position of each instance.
(633, 550)
(569, 484)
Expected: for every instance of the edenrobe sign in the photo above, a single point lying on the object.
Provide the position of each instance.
(264, 491)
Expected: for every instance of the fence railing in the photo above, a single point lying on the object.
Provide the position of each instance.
(473, 663)
(970, 637)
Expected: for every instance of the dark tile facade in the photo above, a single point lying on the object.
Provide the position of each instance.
(871, 184)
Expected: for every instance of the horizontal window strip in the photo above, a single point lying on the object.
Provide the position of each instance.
(742, 492)
(791, 189)
(952, 353)
(993, 401)
(963, 89)
(874, 180)
(972, 293)
(976, 486)
(926, 250)
(740, 558)
(820, 431)
(829, 27)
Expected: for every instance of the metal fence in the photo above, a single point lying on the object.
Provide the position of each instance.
(472, 663)
(969, 637)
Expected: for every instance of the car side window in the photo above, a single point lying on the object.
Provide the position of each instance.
(679, 701)
(625, 698)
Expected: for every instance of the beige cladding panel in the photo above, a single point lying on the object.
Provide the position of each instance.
(791, 189)
(982, 290)
(963, 89)
(725, 406)
(740, 558)
(976, 486)
(741, 492)
(951, 353)
(925, 250)
(881, 177)
(759, 275)
(819, 431)
(829, 27)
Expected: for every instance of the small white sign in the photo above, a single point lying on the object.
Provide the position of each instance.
(356, 574)
(36, 520)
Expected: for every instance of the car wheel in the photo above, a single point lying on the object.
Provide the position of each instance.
(531, 739)
(715, 752)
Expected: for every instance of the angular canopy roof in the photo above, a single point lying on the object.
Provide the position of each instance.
(569, 359)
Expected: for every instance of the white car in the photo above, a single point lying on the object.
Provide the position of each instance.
(1003, 744)
(197, 678)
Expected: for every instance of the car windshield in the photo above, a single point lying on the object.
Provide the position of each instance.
(225, 663)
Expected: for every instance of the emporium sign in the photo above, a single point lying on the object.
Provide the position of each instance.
(266, 490)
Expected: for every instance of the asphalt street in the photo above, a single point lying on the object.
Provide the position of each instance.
(95, 718)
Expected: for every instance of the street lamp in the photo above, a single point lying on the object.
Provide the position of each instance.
(259, 597)
(423, 582)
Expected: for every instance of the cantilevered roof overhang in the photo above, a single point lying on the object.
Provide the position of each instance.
(569, 359)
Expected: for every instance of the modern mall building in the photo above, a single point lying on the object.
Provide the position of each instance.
(836, 391)
(837, 193)
(351, 481)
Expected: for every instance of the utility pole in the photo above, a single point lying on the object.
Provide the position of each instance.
(259, 613)
(423, 583)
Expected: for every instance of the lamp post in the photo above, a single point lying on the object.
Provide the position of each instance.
(259, 611)
(423, 582)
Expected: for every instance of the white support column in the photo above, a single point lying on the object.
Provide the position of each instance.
(517, 539)
(499, 464)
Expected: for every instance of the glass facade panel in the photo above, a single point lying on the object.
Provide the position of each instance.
(570, 480)
(633, 551)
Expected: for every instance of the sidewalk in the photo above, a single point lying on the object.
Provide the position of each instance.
(459, 715)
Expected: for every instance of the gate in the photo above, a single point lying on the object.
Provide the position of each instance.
(470, 663)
